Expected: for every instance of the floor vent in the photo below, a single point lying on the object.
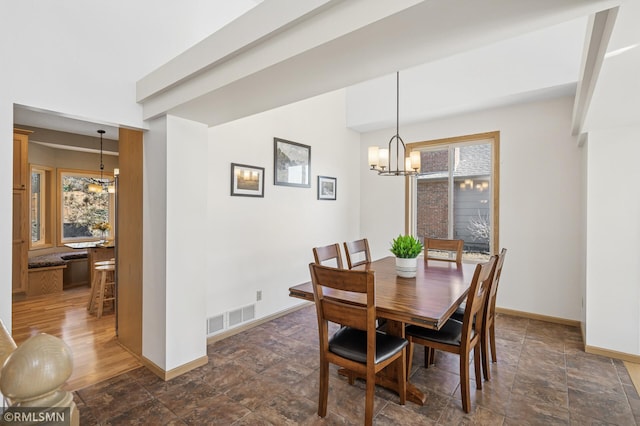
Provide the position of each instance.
(215, 324)
(230, 319)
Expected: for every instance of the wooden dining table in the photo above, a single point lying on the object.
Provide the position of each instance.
(428, 300)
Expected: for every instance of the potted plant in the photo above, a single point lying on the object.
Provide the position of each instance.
(406, 248)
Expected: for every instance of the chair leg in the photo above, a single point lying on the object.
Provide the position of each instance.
(324, 388)
(492, 340)
(427, 357)
(368, 404)
(484, 342)
(409, 355)
(464, 382)
(476, 366)
(351, 377)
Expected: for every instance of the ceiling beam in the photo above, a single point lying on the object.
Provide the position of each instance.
(599, 29)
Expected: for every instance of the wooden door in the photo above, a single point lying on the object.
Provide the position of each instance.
(129, 240)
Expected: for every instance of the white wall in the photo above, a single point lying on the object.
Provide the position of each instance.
(69, 57)
(154, 235)
(540, 201)
(613, 240)
(265, 243)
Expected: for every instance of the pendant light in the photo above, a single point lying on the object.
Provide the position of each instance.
(380, 158)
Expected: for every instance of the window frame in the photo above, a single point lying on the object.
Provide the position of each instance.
(411, 183)
(61, 240)
(46, 206)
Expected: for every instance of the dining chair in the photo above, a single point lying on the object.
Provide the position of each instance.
(489, 320)
(459, 337)
(488, 327)
(357, 346)
(357, 253)
(450, 246)
(328, 253)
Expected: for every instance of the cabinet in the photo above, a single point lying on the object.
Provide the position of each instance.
(20, 209)
(20, 158)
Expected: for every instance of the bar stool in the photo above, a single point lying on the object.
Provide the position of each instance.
(103, 286)
(96, 279)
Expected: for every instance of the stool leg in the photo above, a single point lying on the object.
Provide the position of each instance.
(92, 293)
(103, 280)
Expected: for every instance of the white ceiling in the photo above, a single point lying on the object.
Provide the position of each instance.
(534, 65)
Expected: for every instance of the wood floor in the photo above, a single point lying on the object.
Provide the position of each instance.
(97, 355)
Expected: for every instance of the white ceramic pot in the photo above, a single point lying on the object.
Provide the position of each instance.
(406, 267)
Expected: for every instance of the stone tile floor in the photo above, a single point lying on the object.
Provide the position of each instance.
(268, 375)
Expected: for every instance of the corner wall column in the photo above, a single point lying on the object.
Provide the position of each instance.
(175, 217)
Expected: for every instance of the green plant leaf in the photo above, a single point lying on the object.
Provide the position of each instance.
(406, 246)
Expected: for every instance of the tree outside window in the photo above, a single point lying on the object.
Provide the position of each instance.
(82, 210)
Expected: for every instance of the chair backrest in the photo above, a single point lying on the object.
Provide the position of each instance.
(492, 296)
(478, 293)
(454, 246)
(327, 253)
(357, 252)
(352, 305)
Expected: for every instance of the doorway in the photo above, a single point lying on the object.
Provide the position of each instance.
(98, 354)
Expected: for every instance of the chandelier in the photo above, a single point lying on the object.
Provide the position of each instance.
(103, 184)
(379, 158)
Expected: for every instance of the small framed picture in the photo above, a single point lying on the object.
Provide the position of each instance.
(247, 181)
(327, 188)
(291, 163)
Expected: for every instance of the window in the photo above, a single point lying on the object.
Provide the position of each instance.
(456, 194)
(81, 211)
(40, 206)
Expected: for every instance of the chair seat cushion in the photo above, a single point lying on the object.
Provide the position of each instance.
(351, 343)
(45, 261)
(459, 313)
(449, 334)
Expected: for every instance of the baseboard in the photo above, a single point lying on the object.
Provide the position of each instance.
(530, 315)
(175, 372)
(168, 375)
(634, 373)
(589, 349)
(250, 325)
(612, 354)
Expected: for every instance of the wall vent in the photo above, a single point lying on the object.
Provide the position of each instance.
(230, 319)
(235, 317)
(248, 312)
(215, 324)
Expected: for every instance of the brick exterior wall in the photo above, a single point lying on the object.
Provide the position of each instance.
(433, 210)
(434, 161)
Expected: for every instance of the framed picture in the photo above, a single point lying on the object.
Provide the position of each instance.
(247, 181)
(327, 188)
(291, 163)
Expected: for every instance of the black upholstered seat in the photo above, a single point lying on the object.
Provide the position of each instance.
(449, 334)
(351, 343)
